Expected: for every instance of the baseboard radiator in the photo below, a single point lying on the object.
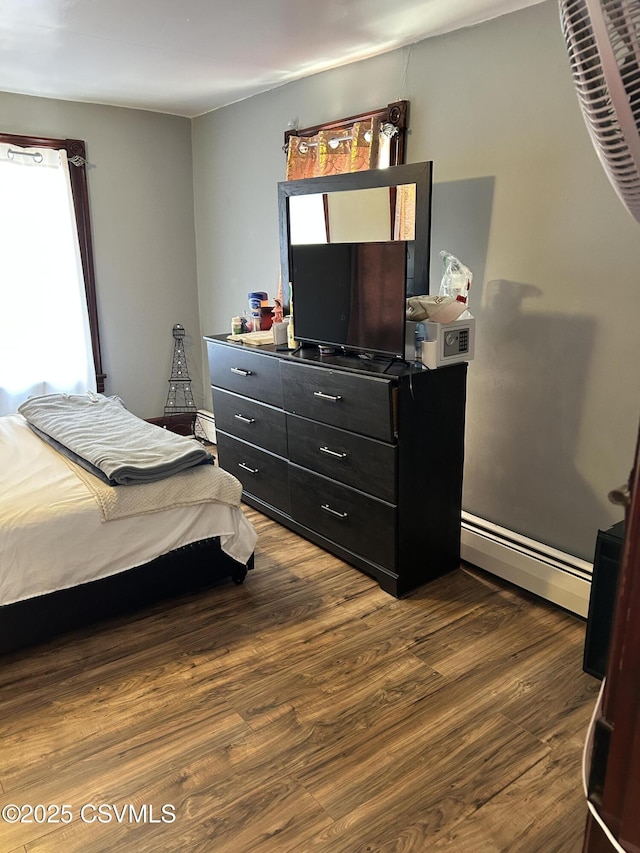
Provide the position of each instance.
(551, 574)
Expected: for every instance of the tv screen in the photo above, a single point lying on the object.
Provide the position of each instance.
(351, 295)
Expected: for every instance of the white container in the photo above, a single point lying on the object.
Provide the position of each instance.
(280, 333)
(207, 422)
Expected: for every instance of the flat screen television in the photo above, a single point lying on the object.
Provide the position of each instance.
(353, 247)
(351, 295)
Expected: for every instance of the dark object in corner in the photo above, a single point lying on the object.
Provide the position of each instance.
(182, 424)
(604, 584)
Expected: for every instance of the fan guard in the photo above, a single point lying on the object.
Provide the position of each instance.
(603, 41)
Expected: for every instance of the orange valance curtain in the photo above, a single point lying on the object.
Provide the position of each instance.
(331, 152)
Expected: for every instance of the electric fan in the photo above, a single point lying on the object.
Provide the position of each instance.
(603, 41)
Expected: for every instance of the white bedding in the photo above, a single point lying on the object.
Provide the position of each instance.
(51, 533)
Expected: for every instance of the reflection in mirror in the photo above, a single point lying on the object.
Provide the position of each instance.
(372, 215)
(308, 219)
(374, 206)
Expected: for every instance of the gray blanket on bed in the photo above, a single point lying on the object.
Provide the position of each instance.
(98, 433)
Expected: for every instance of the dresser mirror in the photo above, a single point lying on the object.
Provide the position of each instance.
(377, 205)
(369, 215)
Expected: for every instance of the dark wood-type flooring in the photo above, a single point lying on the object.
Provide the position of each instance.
(306, 710)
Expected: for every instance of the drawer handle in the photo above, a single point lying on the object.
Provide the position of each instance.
(334, 399)
(330, 452)
(335, 512)
(246, 468)
(244, 419)
(240, 371)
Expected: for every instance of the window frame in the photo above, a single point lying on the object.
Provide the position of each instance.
(76, 154)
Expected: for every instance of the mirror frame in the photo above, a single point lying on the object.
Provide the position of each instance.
(420, 174)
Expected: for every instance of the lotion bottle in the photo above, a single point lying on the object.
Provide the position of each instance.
(291, 341)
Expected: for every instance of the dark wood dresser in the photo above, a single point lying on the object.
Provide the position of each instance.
(362, 457)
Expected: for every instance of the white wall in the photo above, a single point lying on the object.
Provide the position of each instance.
(521, 198)
(141, 197)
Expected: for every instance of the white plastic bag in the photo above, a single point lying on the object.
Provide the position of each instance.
(456, 278)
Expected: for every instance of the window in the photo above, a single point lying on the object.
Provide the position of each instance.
(372, 140)
(47, 287)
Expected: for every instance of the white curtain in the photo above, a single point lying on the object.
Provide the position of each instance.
(45, 339)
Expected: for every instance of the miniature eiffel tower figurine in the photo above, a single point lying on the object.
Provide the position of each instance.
(179, 398)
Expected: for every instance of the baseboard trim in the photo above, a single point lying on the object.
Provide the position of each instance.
(553, 575)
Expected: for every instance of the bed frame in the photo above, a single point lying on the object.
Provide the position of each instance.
(186, 570)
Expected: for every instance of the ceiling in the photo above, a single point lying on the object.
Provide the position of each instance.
(188, 57)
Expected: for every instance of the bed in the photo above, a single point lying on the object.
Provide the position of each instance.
(69, 555)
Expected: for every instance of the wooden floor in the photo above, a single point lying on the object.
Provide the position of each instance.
(306, 710)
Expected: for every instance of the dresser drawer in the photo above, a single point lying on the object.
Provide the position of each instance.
(251, 421)
(359, 403)
(246, 372)
(262, 474)
(360, 524)
(354, 460)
